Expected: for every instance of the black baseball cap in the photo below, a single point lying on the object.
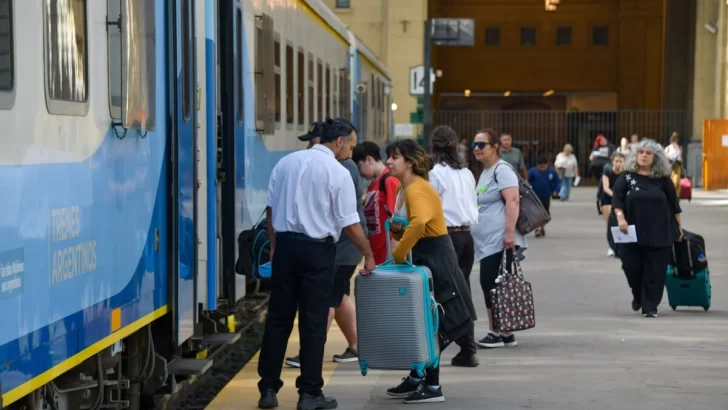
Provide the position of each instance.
(313, 132)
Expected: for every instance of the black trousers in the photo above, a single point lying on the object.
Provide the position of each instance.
(302, 279)
(645, 268)
(462, 241)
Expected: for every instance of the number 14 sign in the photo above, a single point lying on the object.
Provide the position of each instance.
(417, 80)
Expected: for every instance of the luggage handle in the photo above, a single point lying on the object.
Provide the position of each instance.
(387, 229)
(690, 258)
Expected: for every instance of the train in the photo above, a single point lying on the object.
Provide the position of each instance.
(137, 140)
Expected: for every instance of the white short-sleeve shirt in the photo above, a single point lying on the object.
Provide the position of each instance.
(456, 188)
(311, 193)
(490, 231)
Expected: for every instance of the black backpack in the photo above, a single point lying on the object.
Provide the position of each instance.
(688, 255)
(253, 249)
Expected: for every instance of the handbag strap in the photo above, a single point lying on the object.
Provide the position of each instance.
(516, 266)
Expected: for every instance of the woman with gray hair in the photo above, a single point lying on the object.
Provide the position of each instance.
(645, 197)
(568, 167)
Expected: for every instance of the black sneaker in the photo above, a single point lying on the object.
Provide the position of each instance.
(405, 389)
(491, 341)
(294, 361)
(636, 305)
(465, 360)
(509, 340)
(308, 402)
(424, 394)
(651, 313)
(349, 355)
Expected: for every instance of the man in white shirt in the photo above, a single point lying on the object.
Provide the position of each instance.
(310, 200)
(456, 186)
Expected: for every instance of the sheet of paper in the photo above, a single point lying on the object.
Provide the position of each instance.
(629, 237)
(576, 181)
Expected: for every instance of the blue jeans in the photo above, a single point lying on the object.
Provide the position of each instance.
(566, 183)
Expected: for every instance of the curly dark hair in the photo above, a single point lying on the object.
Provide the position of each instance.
(412, 153)
(445, 147)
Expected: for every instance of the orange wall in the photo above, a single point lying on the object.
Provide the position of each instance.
(631, 64)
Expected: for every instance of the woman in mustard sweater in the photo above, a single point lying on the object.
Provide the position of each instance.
(427, 237)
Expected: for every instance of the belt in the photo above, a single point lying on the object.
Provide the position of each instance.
(458, 229)
(303, 237)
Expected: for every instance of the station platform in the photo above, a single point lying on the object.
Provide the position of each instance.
(589, 350)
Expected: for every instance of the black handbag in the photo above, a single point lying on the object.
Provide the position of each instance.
(531, 212)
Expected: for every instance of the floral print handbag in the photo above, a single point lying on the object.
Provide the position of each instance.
(513, 308)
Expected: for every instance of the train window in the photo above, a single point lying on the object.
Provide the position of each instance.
(239, 62)
(65, 51)
(7, 60)
(319, 96)
(277, 78)
(311, 115)
(301, 64)
(327, 92)
(335, 104)
(133, 96)
(289, 84)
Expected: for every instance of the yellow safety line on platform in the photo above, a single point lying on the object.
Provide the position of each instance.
(242, 391)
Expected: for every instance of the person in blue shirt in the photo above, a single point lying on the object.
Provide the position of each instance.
(546, 184)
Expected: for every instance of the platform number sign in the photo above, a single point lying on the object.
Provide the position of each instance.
(417, 80)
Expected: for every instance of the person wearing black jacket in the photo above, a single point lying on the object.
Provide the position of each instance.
(645, 197)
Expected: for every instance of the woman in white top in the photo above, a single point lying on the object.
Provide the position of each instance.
(455, 185)
(568, 168)
(673, 152)
(498, 199)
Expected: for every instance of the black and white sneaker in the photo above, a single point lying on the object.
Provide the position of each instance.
(425, 394)
(490, 341)
(509, 340)
(349, 355)
(405, 389)
(651, 313)
(294, 361)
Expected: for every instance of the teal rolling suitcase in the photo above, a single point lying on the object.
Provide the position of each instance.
(693, 291)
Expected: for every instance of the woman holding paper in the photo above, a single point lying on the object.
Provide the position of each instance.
(644, 196)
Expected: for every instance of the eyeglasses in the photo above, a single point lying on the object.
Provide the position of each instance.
(479, 144)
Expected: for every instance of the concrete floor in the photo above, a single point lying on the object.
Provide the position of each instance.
(588, 349)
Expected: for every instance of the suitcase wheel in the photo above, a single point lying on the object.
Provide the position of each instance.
(706, 308)
(673, 307)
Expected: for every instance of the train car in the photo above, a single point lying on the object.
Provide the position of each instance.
(138, 137)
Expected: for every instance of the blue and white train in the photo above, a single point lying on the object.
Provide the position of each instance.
(136, 141)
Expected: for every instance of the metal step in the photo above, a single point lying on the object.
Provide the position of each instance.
(219, 339)
(189, 367)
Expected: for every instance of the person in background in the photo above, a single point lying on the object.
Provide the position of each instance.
(633, 140)
(310, 200)
(455, 185)
(426, 237)
(463, 150)
(498, 201)
(645, 197)
(624, 146)
(568, 167)
(608, 179)
(546, 184)
(673, 152)
(512, 155)
(382, 192)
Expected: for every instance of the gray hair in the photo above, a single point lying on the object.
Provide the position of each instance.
(660, 166)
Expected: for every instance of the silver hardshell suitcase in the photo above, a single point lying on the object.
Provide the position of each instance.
(396, 316)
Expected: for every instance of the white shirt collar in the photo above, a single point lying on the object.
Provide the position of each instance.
(323, 148)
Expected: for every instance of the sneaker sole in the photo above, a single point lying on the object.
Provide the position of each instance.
(293, 364)
(430, 400)
(511, 344)
(490, 345)
(349, 360)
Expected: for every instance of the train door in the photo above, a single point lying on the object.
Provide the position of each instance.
(184, 170)
(231, 133)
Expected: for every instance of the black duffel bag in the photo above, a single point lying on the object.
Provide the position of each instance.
(689, 256)
(253, 250)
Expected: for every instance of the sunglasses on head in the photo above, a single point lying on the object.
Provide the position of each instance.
(479, 144)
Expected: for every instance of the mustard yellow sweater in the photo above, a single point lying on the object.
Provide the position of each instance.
(426, 218)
